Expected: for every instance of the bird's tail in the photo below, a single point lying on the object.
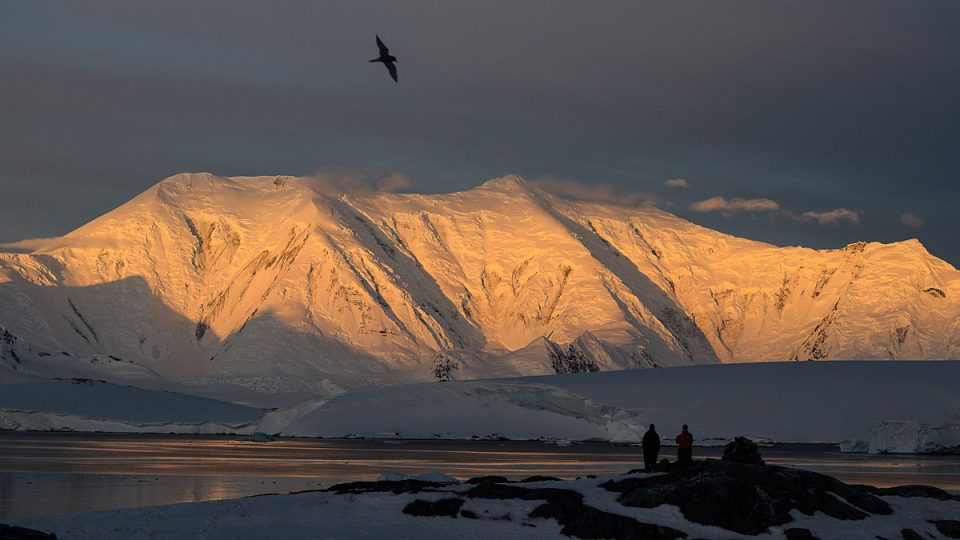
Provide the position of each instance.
(376, 60)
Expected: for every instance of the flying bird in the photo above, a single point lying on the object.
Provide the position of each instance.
(387, 59)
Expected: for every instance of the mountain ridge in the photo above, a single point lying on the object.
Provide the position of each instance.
(290, 279)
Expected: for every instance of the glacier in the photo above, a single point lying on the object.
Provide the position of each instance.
(30, 403)
(912, 437)
(791, 402)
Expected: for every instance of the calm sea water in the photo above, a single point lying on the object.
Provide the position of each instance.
(54, 473)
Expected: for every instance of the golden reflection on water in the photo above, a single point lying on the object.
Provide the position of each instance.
(48, 473)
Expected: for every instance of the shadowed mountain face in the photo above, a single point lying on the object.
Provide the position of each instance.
(274, 280)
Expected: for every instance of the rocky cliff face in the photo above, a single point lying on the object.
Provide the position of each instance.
(276, 283)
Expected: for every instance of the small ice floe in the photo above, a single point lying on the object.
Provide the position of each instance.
(558, 442)
(714, 441)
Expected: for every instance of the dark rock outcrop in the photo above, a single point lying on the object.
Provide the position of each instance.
(484, 479)
(392, 486)
(583, 521)
(444, 507)
(797, 533)
(742, 450)
(747, 498)
(489, 490)
(12, 532)
(538, 478)
(740, 497)
(575, 518)
(910, 534)
(948, 527)
(912, 491)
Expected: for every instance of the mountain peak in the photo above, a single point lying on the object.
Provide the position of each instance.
(511, 182)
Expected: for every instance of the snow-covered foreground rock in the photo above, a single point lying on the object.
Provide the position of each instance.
(712, 499)
(785, 402)
(288, 286)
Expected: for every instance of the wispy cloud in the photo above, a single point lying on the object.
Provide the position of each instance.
(595, 193)
(394, 182)
(732, 206)
(28, 245)
(770, 207)
(831, 217)
(356, 180)
(677, 183)
(911, 220)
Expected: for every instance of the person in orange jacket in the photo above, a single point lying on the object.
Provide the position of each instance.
(684, 445)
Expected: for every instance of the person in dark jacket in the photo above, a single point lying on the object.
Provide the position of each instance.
(684, 445)
(651, 448)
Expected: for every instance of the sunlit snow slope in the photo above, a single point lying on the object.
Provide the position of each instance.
(279, 284)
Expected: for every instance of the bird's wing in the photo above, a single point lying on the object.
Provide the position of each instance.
(384, 51)
(392, 68)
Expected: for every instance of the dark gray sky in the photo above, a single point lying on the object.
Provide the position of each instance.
(845, 116)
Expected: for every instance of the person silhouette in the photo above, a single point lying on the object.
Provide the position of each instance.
(684, 445)
(651, 448)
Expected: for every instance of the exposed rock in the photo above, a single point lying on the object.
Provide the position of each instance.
(538, 478)
(570, 359)
(484, 479)
(392, 486)
(576, 518)
(948, 527)
(910, 534)
(797, 533)
(747, 498)
(12, 532)
(664, 465)
(586, 522)
(913, 491)
(742, 450)
(444, 507)
(489, 490)
(935, 292)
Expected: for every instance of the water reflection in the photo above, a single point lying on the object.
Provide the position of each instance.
(38, 494)
(52, 473)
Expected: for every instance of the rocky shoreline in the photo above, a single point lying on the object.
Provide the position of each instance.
(745, 498)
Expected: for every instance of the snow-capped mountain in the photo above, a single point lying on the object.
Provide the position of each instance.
(279, 284)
